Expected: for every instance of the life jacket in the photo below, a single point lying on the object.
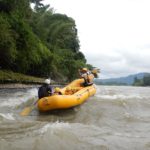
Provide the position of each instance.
(88, 79)
(68, 92)
(44, 91)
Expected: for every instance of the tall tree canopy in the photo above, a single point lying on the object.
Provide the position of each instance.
(38, 41)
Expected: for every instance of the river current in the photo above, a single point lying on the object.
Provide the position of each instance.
(115, 118)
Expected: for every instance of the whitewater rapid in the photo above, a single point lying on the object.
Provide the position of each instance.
(115, 118)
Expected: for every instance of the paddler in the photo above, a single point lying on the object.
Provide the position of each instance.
(85, 74)
(45, 90)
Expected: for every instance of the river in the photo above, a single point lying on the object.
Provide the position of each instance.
(115, 118)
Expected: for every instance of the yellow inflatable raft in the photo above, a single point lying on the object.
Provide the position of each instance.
(72, 95)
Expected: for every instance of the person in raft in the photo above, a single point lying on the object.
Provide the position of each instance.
(85, 74)
(45, 89)
(57, 91)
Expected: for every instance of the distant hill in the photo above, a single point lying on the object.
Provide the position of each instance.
(128, 80)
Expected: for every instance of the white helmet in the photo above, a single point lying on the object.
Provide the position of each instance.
(47, 81)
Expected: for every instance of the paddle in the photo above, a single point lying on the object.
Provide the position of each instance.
(95, 72)
(26, 111)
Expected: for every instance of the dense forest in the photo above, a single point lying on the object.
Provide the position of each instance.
(142, 82)
(37, 41)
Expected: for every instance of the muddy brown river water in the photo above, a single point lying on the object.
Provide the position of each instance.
(115, 118)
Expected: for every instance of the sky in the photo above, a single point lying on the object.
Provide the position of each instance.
(114, 34)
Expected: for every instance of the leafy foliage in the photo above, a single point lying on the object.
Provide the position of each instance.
(142, 82)
(38, 42)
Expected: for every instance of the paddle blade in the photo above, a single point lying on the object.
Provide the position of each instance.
(95, 72)
(26, 111)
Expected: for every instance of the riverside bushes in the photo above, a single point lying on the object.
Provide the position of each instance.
(38, 41)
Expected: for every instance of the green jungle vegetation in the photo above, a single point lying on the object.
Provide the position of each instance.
(38, 42)
(142, 82)
(12, 77)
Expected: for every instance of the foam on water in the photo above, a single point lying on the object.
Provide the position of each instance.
(54, 126)
(114, 118)
(17, 98)
(122, 93)
(120, 96)
(8, 116)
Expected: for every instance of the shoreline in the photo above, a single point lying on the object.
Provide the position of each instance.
(17, 86)
(23, 85)
(12, 80)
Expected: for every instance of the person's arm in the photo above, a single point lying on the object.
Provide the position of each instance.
(79, 72)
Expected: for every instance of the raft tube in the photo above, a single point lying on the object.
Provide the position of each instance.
(64, 101)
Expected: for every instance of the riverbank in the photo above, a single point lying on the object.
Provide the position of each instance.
(7, 76)
(17, 86)
(9, 79)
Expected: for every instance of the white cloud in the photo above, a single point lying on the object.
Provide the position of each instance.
(114, 35)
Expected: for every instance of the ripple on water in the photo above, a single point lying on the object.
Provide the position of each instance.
(8, 116)
(13, 130)
(115, 118)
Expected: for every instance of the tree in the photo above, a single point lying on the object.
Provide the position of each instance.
(146, 80)
(38, 42)
(7, 44)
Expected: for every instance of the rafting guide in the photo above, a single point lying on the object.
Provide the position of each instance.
(86, 75)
